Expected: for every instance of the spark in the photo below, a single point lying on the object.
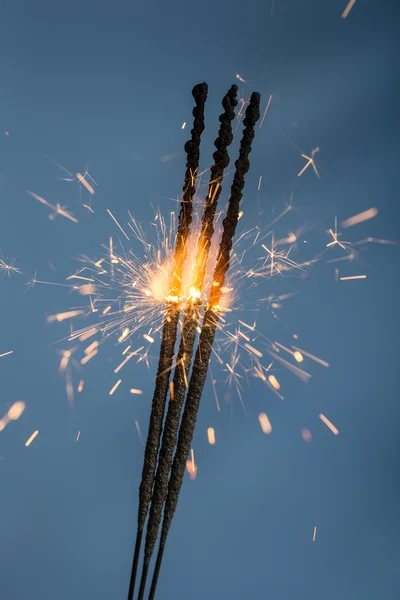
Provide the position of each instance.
(80, 385)
(303, 375)
(265, 423)
(265, 111)
(124, 362)
(58, 209)
(86, 359)
(9, 268)
(318, 360)
(16, 410)
(310, 162)
(240, 78)
(211, 436)
(314, 534)
(191, 466)
(30, 440)
(6, 353)
(85, 336)
(115, 386)
(253, 350)
(93, 346)
(366, 215)
(274, 382)
(184, 125)
(329, 424)
(78, 436)
(139, 432)
(82, 180)
(352, 277)
(348, 9)
(306, 435)
(335, 237)
(65, 315)
(259, 183)
(148, 338)
(135, 391)
(118, 225)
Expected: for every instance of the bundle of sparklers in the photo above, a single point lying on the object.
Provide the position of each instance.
(163, 471)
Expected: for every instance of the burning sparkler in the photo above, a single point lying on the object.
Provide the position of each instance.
(207, 335)
(189, 329)
(170, 324)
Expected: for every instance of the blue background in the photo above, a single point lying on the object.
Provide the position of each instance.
(106, 86)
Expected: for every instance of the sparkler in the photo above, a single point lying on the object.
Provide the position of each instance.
(208, 331)
(170, 327)
(189, 329)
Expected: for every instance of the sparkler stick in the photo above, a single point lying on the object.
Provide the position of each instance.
(189, 330)
(192, 148)
(203, 354)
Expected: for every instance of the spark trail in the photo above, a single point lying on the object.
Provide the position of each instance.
(169, 332)
(189, 329)
(208, 331)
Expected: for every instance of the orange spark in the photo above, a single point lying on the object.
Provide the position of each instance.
(318, 360)
(191, 466)
(265, 423)
(80, 385)
(65, 315)
(57, 209)
(16, 411)
(329, 424)
(306, 435)
(85, 336)
(116, 222)
(114, 387)
(240, 78)
(83, 181)
(353, 277)
(253, 350)
(134, 391)
(148, 338)
(359, 218)
(91, 347)
(171, 390)
(88, 357)
(30, 440)
(106, 310)
(274, 382)
(265, 112)
(348, 8)
(314, 534)
(139, 432)
(211, 436)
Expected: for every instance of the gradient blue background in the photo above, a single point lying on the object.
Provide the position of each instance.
(106, 86)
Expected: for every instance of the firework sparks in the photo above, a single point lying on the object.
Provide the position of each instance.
(85, 183)
(31, 438)
(58, 209)
(310, 163)
(7, 353)
(348, 8)
(350, 277)
(265, 423)
(366, 215)
(329, 424)
(211, 436)
(314, 534)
